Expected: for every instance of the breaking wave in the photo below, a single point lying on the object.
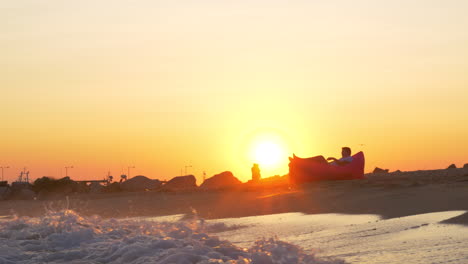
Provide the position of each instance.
(66, 237)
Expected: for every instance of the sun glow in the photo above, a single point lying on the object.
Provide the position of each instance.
(268, 146)
(268, 153)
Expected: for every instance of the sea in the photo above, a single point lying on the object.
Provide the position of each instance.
(64, 236)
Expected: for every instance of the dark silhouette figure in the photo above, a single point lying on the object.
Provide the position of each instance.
(255, 173)
(345, 158)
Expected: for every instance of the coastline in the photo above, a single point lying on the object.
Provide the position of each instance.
(388, 195)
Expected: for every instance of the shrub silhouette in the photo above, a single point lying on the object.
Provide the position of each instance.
(52, 185)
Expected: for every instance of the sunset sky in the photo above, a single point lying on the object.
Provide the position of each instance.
(161, 85)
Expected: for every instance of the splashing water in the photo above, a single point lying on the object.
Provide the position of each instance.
(66, 237)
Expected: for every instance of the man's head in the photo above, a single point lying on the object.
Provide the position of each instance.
(345, 152)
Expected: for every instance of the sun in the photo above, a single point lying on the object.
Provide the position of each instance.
(268, 147)
(268, 153)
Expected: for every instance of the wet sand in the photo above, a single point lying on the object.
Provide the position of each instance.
(363, 239)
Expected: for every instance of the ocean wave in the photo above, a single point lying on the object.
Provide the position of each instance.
(66, 237)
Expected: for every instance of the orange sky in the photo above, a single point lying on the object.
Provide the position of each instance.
(165, 84)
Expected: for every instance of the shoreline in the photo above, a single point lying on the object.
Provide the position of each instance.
(388, 195)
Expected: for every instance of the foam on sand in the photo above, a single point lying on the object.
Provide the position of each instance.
(66, 237)
(422, 238)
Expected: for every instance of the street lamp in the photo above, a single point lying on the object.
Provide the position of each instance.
(128, 170)
(66, 170)
(7, 167)
(187, 166)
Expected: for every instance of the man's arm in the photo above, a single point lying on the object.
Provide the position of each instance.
(341, 162)
(338, 162)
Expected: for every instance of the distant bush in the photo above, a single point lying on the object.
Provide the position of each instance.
(47, 184)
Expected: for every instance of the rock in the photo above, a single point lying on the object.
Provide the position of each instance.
(465, 166)
(4, 192)
(397, 171)
(17, 186)
(25, 194)
(269, 182)
(112, 188)
(95, 187)
(277, 179)
(140, 183)
(43, 195)
(82, 187)
(50, 195)
(22, 191)
(222, 180)
(453, 166)
(379, 170)
(180, 183)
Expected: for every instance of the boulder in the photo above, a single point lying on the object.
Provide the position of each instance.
(25, 194)
(222, 180)
(140, 183)
(379, 170)
(269, 182)
(50, 195)
(95, 187)
(276, 180)
(112, 188)
(43, 195)
(4, 192)
(180, 183)
(82, 187)
(22, 191)
(17, 186)
(453, 166)
(465, 166)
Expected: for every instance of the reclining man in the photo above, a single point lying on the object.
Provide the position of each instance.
(345, 158)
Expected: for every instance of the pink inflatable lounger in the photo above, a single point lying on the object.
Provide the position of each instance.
(300, 172)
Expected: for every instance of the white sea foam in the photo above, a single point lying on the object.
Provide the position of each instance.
(66, 237)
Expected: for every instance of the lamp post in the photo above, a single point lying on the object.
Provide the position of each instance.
(188, 166)
(6, 167)
(128, 170)
(66, 170)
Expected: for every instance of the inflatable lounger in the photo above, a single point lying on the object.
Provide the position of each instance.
(303, 171)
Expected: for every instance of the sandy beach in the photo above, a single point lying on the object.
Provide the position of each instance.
(388, 195)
